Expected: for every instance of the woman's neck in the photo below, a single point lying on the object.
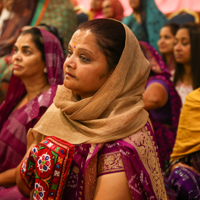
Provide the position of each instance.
(187, 77)
(35, 88)
(137, 16)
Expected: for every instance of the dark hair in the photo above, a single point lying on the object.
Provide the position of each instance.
(54, 31)
(173, 27)
(194, 33)
(110, 37)
(37, 39)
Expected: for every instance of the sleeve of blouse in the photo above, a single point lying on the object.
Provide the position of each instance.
(46, 168)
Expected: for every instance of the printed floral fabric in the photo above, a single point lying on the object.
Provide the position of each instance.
(183, 90)
(46, 168)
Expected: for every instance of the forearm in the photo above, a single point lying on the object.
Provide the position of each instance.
(155, 96)
(20, 183)
(23, 188)
(7, 178)
(150, 104)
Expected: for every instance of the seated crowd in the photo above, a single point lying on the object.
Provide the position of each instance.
(97, 105)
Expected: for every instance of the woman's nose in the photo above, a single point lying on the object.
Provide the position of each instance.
(70, 62)
(16, 56)
(177, 47)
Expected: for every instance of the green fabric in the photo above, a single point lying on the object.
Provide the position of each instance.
(154, 20)
(136, 27)
(60, 14)
(5, 74)
(37, 12)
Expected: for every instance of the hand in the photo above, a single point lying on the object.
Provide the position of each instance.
(7, 178)
(184, 165)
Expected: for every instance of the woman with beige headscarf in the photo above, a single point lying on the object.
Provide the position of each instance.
(96, 140)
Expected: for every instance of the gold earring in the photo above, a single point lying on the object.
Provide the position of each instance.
(45, 70)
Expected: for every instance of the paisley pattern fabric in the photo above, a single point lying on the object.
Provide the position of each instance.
(136, 155)
(186, 183)
(5, 74)
(60, 14)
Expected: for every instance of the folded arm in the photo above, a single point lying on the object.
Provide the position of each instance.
(155, 96)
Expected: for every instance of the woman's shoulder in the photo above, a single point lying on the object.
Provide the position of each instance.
(194, 96)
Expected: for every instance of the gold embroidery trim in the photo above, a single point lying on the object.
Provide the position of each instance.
(110, 162)
(144, 144)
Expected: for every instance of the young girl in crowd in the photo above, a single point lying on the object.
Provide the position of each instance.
(96, 140)
(186, 52)
(166, 46)
(37, 70)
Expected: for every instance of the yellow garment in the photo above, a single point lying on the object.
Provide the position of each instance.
(188, 135)
(114, 112)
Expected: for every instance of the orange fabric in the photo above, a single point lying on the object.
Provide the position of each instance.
(42, 12)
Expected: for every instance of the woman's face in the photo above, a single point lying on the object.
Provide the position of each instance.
(107, 9)
(96, 4)
(135, 4)
(27, 59)
(182, 46)
(166, 41)
(85, 68)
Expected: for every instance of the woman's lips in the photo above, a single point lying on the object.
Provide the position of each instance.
(17, 66)
(69, 75)
(178, 56)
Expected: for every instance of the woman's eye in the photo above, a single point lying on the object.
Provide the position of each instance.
(167, 37)
(69, 53)
(27, 52)
(84, 59)
(185, 43)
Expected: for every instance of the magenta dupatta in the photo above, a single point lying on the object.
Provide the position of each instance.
(14, 127)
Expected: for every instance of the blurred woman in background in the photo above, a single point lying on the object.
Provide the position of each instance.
(166, 46)
(186, 52)
(37, 70)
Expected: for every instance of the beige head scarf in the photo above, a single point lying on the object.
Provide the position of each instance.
(114, 112)
(188, 134)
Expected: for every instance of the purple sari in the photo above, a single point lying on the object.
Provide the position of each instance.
(136, 155)
(165, 119)
(14, 125)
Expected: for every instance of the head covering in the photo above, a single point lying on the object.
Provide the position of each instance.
(114, 112)
(54, 59)
(188, 134)
(20, 15)
(117, 9)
